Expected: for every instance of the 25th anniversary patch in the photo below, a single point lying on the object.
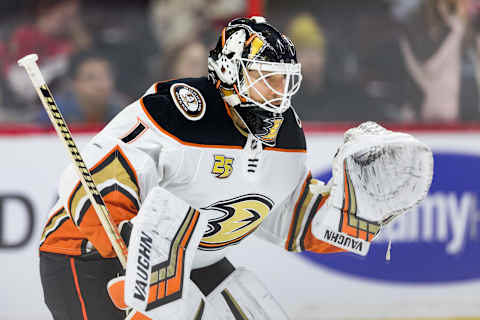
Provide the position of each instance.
(188, 100)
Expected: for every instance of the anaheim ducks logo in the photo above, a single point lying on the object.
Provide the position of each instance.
(188, 100)
(272, 127)
(238, 218)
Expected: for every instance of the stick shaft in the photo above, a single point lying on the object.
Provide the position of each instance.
(58, 122)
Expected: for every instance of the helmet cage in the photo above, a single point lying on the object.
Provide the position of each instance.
(281, 101)
(253, 45)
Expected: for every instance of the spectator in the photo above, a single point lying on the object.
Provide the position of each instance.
(347, 82)
(187, 60)
(3, 116)
(91, 96)
(187, 19)
(470, 87)
(124, 36)
(54, 34)
(192, 21)
(438, 76)
(311, 47)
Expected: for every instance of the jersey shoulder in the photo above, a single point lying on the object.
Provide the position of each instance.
(191, 110)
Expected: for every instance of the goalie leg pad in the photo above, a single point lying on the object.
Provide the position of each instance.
(164, 239)
(198, 306)
(242, 296)
(194, 307)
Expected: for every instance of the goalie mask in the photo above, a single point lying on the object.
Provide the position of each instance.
(253, 45)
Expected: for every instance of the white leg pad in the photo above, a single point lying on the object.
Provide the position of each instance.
(198, 306)
(242, 296)
(193, 307)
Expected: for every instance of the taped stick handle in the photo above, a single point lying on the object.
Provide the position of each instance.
(29, 62)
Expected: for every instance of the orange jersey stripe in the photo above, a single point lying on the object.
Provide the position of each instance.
(68, 238)
(77, 287)
(101, 162)
(285, 150)
(181, 141)
(121, 203)
(120, 207)
(65, 238)
(295, 212)
(163, 81)
(310, 243)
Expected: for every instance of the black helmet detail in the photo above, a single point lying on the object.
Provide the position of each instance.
(253, 45)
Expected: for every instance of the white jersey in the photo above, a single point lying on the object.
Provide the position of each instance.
(180, 136)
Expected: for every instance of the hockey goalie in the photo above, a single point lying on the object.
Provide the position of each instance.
(197, 165)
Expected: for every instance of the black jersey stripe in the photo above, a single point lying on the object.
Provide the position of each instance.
(215, 129)
(139, 129)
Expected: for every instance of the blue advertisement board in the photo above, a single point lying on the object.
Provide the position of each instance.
(437, 242)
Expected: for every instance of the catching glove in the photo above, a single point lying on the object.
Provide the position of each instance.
(377, 175)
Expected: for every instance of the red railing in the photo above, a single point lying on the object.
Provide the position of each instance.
(309, 127)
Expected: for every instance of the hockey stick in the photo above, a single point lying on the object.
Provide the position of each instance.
(30, 65)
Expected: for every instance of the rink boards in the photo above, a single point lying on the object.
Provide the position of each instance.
(434, 271)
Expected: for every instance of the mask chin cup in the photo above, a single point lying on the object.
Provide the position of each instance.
(262, 124)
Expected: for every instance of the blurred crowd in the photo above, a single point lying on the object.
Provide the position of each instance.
(381, 60)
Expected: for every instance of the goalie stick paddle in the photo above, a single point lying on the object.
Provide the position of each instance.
(29, 62)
